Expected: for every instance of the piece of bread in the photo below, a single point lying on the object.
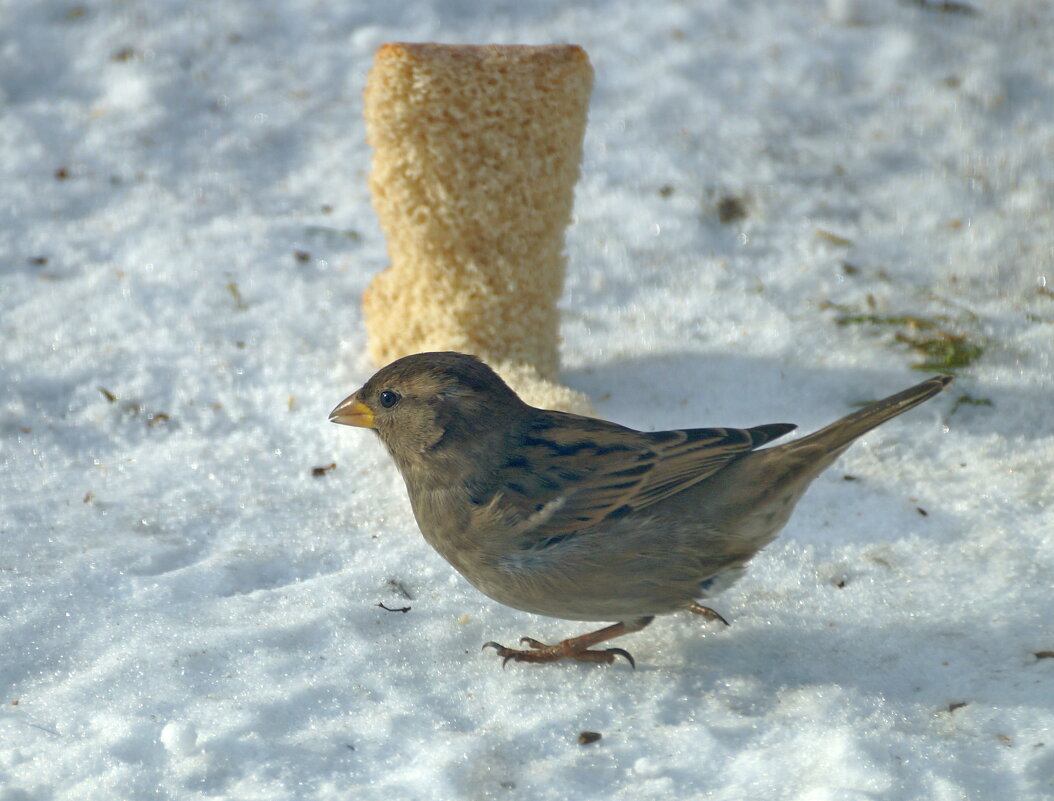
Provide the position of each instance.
(476, 151)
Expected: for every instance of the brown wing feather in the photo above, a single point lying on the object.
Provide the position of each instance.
(568, 473)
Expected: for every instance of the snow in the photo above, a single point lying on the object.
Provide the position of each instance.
(188, 611)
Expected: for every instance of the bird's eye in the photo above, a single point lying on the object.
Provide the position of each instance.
(388, 398)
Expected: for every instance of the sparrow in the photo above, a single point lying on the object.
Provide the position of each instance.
(582, 519)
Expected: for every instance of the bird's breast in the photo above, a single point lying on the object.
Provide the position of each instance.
(445, 517)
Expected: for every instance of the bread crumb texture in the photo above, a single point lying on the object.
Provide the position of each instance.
(476, 151)
(542, 392)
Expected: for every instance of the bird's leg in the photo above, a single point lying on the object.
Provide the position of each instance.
(706, 612)
(576, 648)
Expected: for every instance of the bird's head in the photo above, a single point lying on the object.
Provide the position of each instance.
(422, 403)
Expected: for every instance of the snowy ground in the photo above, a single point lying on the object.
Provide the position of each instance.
(187, 611)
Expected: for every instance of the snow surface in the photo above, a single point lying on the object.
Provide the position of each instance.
(187, 611)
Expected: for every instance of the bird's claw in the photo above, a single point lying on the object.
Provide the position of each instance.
(707, 612)
(507, 654)
(623, 653)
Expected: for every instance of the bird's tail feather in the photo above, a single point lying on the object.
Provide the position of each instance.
(840, 433)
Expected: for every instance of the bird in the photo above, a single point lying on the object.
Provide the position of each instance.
(583, 519)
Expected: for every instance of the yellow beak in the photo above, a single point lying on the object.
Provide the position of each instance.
(352, 412)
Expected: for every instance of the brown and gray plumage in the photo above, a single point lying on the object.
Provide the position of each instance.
(583, 519)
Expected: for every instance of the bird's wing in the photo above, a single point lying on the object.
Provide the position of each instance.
(567, 473)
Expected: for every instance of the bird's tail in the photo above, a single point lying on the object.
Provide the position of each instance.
(839, 434)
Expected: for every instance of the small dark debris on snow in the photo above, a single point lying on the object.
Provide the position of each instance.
(833, 238)
(239, 303)
(730, 208)
(950, 6)
(966, 399)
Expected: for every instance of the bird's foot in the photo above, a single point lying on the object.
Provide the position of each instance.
(567, 649)
(576, 648)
